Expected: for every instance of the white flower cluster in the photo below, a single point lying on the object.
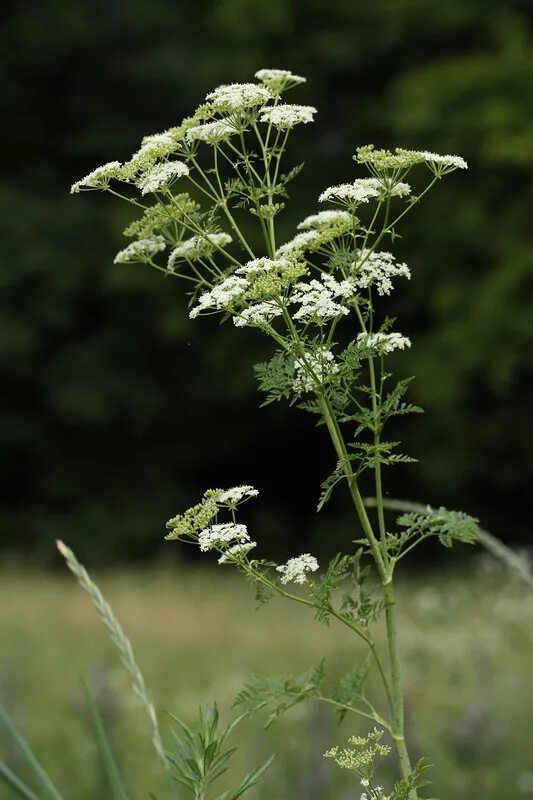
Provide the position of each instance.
(307, 240)
(236, 494)
(217, 131)
(197, 247)
(328, 218)
(238, 97)
(362, 190)
(278, 79)
(220, 295)
(98, 178)
(157, 145)
(258, 265)
(321, 362)
(287, 115)
(257, 314)
(296, 569)
(161, 175)
(383, 343)
(447, 162)
(317, 298)
(142, 250)
(378, 269)
(222, 534)
(232, 553)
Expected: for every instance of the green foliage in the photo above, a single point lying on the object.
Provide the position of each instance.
(278, 694)
(276, 377)
(447, 526)
(350, 689)
(200, 755)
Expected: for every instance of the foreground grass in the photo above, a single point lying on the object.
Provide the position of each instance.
(468, 644)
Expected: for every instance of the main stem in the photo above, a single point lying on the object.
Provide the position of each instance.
(395, 695)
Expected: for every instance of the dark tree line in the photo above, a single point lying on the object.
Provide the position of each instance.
(117, 410)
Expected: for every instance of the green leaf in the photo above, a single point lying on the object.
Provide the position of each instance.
(278, 694)
(447, 526)
(351, 686)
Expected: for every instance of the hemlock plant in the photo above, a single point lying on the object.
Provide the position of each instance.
(316, 297)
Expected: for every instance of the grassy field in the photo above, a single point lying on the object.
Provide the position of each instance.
(467, 642)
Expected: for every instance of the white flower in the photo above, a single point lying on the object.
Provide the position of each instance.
(141, 250)
(157, 145)
(222, 534)
(321, 362)
(99, 178)
(257, 314)
(378, 268)
(383, 343)
(198, 247)
(307, 240)
(279, 79)
(236, 494)
(317, 299)
(258, 265)
(287, 115)
(211, 132)
(294, 571)
(238, 96)
(326, 219)
(362, 190)
(446, 162)
(161, 175)
(220, 295)
(236, 550)
(365, 782)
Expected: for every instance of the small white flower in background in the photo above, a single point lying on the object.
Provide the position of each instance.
(317, 299)
(361, 190)
(198, 247)
(257, 314)
(232, 553)
(238, 97)
(157, 145)
(161, 175)
(365, 782)
(378, 269)
(236, 494)
(325, 219)
(383, 343)
(307, 240)
(142, 250)
(296, 569)
(321, 362)
(217, 131)
(279, 79)
(222, 534)
(220, 295)
(287, 115)
(447, 162)
(99, 178)
(264, 265)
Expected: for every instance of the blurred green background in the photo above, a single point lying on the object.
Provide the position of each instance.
(117, 411)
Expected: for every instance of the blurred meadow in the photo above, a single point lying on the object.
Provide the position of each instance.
(468, 647)
(117, 411)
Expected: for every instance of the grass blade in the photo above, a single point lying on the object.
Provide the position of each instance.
(8, 777)
(109, 762)
(23, 745)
